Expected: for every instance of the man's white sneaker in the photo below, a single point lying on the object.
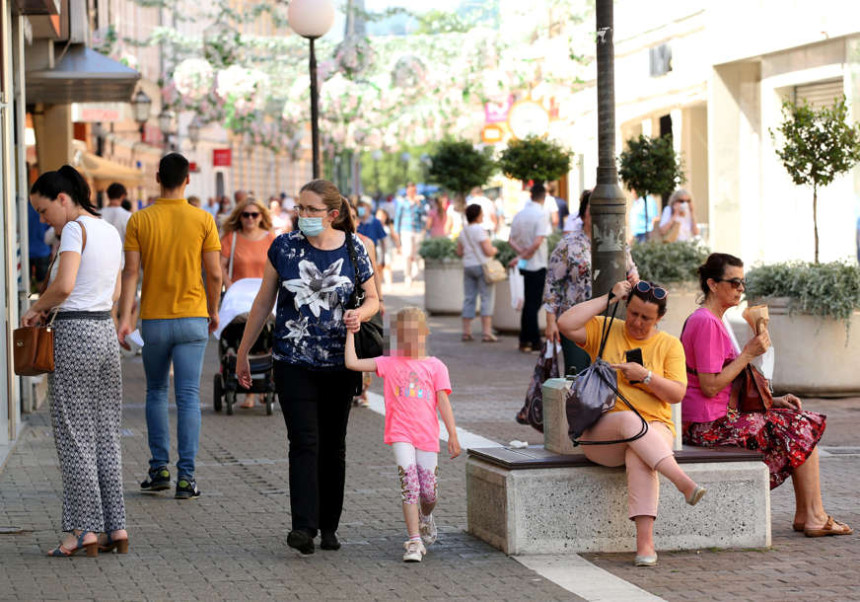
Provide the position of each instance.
(427, 528)
(415, 551)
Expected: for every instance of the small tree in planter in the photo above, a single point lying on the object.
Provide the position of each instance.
(817, 147)
(650, 166)
(458, 167)
(534, 159)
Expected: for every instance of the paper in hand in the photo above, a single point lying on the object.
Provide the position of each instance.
(757, 317)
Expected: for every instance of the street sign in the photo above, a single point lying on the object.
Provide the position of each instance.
(222, 157)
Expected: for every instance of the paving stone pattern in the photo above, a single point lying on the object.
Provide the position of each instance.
(231, 542)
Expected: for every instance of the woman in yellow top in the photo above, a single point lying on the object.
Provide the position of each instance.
(660, 380)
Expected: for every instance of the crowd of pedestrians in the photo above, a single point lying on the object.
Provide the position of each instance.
(321, 260)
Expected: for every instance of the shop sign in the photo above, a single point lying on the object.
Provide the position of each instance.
(528, 118)
(95, 112)
(492, 134)
(222, 157)
(497, 112)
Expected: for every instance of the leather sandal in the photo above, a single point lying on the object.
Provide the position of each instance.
(489, 338)
(62, 551)
(467, 337)
(120, 545)
(798, 527)
(831, 527)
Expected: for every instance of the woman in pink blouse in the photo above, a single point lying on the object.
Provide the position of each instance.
(786, 435)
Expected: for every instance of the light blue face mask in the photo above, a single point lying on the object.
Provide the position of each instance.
(311, 226)
(361, 211)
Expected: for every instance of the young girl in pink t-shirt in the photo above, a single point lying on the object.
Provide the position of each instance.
(415, 386)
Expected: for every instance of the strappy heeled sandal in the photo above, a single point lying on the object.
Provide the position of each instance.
(92, 548)
(120, 545)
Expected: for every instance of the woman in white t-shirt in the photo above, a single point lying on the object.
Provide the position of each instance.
(475, 248)
(85, 388)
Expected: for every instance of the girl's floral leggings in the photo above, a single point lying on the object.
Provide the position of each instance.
(418, 471)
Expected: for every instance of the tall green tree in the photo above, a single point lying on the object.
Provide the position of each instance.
(458, 167)
(817, 147)
(535, 159)
(651, 166)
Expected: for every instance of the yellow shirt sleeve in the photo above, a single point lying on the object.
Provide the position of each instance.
(131, 241)
(211, 242)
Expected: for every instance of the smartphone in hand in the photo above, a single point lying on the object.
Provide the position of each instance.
(634, 356)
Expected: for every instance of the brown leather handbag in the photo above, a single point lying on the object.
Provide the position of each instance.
(750, 392)
(34, 349)
(34, 345)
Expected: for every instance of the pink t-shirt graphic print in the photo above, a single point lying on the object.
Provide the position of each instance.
(410, 389)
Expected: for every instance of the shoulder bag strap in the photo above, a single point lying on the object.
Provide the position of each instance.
(354, 299)
(44, 286)
(232, 253)
(465, 233)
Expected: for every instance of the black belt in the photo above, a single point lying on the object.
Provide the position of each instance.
(83, 315)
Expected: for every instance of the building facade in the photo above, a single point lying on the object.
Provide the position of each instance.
(714, 75)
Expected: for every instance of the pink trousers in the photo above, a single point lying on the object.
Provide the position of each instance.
(640, 457)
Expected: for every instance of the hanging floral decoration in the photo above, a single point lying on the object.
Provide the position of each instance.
(372, 95)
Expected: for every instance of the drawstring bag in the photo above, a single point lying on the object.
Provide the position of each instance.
(593, 393)
(546, 368)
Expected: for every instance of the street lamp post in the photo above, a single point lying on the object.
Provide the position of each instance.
(141, 105)
(167, 123)
(607, 203)
(312, 19)
(194, 132)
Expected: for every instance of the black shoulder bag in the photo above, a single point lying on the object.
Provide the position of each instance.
(368, 340)
(593, 393)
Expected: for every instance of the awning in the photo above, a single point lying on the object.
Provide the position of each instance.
(104, 172)
(82, 75)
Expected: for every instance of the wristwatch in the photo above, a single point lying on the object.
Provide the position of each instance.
(647, 379)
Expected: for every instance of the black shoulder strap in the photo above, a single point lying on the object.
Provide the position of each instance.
(354, 300)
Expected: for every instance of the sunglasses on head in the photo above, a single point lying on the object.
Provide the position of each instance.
(658, 293)
(735, 282)
(250, 214)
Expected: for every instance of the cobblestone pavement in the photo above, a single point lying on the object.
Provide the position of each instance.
(230, 543)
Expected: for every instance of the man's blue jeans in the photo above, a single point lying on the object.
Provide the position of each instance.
(182, 340)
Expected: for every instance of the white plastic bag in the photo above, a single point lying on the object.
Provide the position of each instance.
(518, 294)
(765, 361)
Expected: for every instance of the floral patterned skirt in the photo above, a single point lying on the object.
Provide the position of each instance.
(786, 437)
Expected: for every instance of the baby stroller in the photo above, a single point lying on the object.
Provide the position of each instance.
(235, 307)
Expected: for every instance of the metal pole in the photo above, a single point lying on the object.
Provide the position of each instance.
(608, 205)
(315, 131)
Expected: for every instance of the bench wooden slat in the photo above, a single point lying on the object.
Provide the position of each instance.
(536, 456)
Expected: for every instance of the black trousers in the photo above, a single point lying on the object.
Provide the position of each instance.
(316, 410)
(533, 284)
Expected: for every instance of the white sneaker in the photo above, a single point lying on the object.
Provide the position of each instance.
(415, 551)
(427, 527)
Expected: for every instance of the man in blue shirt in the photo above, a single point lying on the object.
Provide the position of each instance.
(409, 229)
(642, 217)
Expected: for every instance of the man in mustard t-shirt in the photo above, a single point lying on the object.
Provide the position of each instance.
(172, 242)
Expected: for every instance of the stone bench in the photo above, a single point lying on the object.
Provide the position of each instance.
(539, 501)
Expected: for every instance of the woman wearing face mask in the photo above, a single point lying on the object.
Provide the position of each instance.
(311, 275)
(678, 222)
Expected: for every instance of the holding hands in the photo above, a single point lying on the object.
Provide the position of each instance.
(352, 319)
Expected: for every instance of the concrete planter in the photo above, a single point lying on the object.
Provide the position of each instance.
(682, 302)
(443, 286)
(506, 318)
(813, 354)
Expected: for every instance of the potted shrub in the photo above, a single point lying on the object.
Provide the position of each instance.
(673, 266)
(650, 166)
(813, 306)
(443, 276)
(534, 159)
(814, 322)
(458, 167)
